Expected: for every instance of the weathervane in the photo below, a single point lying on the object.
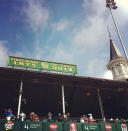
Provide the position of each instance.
(111, 4)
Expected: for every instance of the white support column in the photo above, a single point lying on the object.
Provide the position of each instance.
(20, 98)
(63, 99)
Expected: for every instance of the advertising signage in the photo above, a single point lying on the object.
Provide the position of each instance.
(41, 65)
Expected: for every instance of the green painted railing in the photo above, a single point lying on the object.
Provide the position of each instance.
(60, 126)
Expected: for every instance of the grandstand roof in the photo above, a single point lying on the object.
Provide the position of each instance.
(42, 92)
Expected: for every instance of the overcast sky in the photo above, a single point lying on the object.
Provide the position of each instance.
(68, 31)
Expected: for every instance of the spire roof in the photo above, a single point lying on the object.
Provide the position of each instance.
(114, 52)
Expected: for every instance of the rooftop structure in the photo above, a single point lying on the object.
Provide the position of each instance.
(117, 64)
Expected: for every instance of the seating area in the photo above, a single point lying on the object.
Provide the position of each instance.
(37, 100)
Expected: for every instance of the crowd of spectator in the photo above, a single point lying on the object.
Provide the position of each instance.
(85, 119)
(61, 117)
(66, 117)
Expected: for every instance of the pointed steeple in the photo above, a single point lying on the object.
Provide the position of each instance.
(117, 64)
(114, 52)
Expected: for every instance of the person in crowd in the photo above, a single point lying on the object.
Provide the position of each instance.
(34, 117)
(85, 118)
(69, 116)
(22, 116)
(65, 117)
(81, 119)
(117, 120)
(91, 119)
(9, 114)
(111, 120)
(49, 116)
(60, 117)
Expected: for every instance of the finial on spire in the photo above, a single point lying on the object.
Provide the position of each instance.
(109, 33)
